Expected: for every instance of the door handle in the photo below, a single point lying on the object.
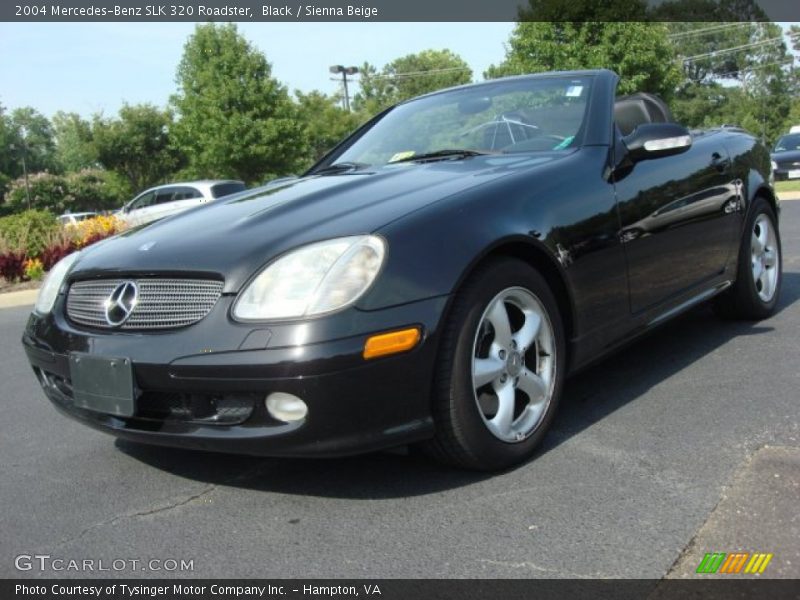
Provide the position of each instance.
(719, 162)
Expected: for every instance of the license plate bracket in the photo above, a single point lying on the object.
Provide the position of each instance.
(793, 174)
(103, 384)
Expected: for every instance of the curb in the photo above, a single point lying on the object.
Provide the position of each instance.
(20, 298)
(788, 196)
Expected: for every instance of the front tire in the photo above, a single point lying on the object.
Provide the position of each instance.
(755, 293)
(500, 368)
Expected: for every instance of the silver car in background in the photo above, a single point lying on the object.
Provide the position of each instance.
(170, 199)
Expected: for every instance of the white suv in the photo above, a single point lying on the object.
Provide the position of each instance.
(165, 200)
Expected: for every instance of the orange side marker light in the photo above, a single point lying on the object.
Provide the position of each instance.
(393, 342)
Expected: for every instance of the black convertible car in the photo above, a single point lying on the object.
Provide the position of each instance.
(432, 280)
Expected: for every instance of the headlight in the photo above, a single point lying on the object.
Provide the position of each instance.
(312, 280)
(52, 284)
(774, 165)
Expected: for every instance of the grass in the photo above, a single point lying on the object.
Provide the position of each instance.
(787, 186)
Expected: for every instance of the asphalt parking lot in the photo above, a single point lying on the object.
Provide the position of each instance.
(647, 444)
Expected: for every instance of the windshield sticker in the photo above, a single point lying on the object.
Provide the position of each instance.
(402, 155)
(567, 141)
(574, 91)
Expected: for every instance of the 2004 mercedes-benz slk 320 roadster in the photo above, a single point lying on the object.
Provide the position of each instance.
(432, 280)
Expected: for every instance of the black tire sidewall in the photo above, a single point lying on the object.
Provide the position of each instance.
(748, 294)
(473, 434)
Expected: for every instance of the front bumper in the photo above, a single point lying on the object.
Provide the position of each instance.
(783, 174)
(354, 405)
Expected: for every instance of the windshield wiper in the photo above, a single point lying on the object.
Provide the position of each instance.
(340, 167)
(447, 153)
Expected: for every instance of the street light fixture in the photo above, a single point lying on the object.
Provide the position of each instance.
(345, 71)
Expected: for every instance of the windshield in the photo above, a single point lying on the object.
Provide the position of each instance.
(509, 116)
(788, 142)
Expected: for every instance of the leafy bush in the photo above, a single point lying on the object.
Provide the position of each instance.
(28, 232)
(5, 181)
(33, 241)
(86, 190)
(47, 192)
(34, 269)
(59, 246)
(95, 190)
(95, 229)
(12, 265)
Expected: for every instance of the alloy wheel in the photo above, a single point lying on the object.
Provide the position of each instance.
(764, 257)
(513, 365)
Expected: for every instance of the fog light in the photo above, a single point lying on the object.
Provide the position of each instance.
(286, 407)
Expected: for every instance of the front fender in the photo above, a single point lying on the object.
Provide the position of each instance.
(571, 219)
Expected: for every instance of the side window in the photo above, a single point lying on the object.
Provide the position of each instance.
(186, 193)
(165, 195)
(223, 189)
(143, 201)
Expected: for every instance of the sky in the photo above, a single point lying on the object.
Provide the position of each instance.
(93, 67)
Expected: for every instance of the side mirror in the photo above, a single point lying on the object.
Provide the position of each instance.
(654, 140)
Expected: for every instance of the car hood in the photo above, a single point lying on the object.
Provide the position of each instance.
(235, 236)
(786, 156)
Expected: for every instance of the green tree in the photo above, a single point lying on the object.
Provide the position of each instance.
(6, 157)
(136, 145)
(706, 105)
(85, 190)
(409, 76)
(734, 73)
(711, 44)
(234, 118)
(30, 133)
(74, 147)
(426, 71)
(325, 123)
(376, 91)
(639, 52)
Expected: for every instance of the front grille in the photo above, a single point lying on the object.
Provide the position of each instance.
(788, 164)
(161, 303)
(210, 409)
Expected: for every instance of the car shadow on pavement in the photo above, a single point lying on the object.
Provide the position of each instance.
(589, 397)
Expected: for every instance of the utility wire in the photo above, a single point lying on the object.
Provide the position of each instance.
(716, 53)
(703, 31)
(418, 73)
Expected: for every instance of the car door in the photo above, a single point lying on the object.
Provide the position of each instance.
(140, 208)
(678, 216)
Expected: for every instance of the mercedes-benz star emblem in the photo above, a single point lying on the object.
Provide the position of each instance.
(121, 302)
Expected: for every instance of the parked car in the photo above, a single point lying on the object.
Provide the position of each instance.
(786, 157)
(432, 280)
(166, 200)
(71, 219)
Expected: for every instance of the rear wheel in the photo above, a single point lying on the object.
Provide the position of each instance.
(759, 272)
(500, 369)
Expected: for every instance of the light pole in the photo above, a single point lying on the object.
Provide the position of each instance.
(345, 71)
